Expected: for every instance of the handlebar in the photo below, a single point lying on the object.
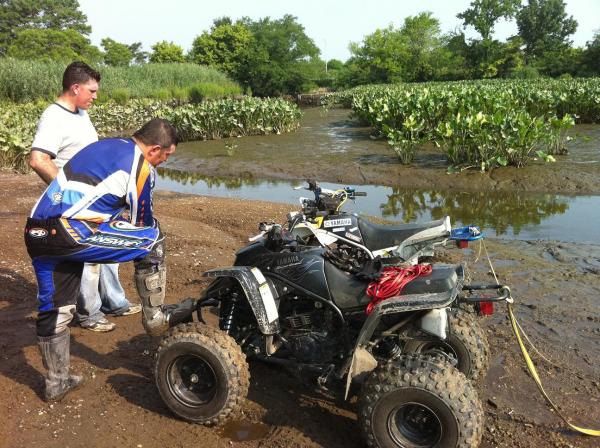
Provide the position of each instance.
(502, 295)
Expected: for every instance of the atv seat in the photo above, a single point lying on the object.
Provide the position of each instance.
(425, 292)
(378, 236)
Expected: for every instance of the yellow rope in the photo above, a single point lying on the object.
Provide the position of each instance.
(530, 366)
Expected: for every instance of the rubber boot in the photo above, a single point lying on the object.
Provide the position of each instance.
(55, 356)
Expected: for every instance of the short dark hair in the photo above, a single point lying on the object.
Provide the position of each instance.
(78, 73)
(157, 131)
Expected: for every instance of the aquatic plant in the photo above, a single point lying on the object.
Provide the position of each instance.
(204, 121)
(483, 124)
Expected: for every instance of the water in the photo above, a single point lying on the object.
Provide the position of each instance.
(330, 144)
(500, 214)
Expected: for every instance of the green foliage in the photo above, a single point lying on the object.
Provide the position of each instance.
(232, 118)
(58, 15)
(483, 14)
(166, 52)
(482, 124)
(139, 56)
(116, 53)
(267, 56)
(591, 56)
(207, 90)
(544, 26)
(224, 47)
(17, 128)
(53, 45)
(208, 120)
(414, 52)
(121, 96)
(30, 80)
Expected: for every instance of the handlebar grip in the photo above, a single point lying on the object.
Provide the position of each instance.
(360, 193)
(256, 237)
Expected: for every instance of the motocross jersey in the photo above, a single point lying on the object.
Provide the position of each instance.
(86, 190)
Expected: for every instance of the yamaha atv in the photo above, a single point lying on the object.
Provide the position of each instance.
(411, 360)
(356, 240)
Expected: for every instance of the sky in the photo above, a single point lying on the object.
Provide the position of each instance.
(332, 24)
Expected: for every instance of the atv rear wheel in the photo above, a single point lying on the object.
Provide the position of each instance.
(466, 342)
(420, 401)
(201, 373)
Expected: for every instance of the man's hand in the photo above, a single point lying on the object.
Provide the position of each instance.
(42, 164)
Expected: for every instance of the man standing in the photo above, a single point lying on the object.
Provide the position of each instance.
(78, 219)
(63, 130)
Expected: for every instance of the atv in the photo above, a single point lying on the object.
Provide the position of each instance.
(413, 361)
(322, 221)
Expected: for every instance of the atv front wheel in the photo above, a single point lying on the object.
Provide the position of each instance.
(466, 342)
(420, 401)
(201, 373)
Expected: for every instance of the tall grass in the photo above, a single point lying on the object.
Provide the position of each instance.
(24, 81)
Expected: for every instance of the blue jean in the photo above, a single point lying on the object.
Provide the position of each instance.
(101, 293)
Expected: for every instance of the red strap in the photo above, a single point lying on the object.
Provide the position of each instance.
(391, 282)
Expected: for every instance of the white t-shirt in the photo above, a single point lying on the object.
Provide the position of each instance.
(62, 133)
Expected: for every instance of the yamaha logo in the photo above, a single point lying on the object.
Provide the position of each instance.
(38, 233)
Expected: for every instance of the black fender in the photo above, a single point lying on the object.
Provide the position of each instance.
(260, 292)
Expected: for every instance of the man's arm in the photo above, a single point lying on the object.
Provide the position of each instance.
(42, 164)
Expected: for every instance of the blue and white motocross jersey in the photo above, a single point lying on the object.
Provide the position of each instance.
(99, 183)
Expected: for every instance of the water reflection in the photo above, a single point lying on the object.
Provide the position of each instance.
(192, 178)
(500, 212)
(507, 214)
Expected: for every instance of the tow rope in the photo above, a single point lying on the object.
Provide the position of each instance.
(529, 362)
(391, 282)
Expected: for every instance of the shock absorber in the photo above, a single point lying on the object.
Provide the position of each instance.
(228, 313)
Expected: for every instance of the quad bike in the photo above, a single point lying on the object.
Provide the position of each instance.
(356, 239)
(284, 303)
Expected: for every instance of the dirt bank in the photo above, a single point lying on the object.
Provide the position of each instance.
(557, 287)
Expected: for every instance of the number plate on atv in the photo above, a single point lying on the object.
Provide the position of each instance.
(260, 278)
(269, 302)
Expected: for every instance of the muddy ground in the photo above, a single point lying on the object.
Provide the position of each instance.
(556, 285)
(330, 146)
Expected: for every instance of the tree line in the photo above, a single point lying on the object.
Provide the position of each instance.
(272, 57)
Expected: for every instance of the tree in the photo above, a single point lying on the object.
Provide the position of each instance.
(591, 56)
(334, 64)
(414, 52)
(421, 36)
(58, 15)
(275, 62)
(544, 26)
(53, 45)
(116, 53)
(379, 59)
(139, 56)
(224, 47)
(165, 52)
(483, 14)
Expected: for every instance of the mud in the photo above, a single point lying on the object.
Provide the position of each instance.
(332, 147)
(556, 286)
